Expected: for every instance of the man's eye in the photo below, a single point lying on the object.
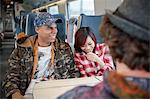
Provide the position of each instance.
(52, 28)
(48, 27)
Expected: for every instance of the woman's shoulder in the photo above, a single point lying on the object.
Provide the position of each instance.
(100, 45)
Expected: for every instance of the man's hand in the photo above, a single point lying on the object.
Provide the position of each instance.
(17, 95)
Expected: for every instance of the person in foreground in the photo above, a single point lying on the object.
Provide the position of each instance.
(91, 58)
(126, 31)
(42, 57)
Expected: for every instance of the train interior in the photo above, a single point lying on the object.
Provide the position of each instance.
(16, 16)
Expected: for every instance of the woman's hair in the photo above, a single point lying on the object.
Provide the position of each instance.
(81, 36)
(129, 50)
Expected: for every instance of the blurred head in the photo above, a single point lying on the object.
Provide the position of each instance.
(46, 27)
(127, 34)
(85, 40)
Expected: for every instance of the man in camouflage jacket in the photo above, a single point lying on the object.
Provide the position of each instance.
(24, 59)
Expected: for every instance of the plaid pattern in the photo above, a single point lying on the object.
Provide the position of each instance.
(89, 68)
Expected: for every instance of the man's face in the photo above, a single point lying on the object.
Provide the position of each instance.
(47, 33)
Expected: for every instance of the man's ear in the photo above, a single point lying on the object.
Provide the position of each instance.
(37, 29)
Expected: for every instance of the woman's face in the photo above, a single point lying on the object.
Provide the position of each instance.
(89, 45)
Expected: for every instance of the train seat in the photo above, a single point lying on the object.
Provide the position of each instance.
(93, 22)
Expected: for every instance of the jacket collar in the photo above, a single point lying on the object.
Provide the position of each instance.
(127, 87)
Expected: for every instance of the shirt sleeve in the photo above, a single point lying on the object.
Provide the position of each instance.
(73, 71)
(79, 66)
(11, 82)
(107, 59)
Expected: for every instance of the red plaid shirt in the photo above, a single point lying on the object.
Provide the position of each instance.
(88, 68)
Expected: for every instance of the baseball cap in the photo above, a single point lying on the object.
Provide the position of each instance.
(44, 18)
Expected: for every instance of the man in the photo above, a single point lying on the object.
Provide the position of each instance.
(41, 57)
(127, 33)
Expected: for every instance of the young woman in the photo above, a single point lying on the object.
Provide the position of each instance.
(91, 58)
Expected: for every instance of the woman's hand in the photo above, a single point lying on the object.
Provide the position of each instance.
(93, 57)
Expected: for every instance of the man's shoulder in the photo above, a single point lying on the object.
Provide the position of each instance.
(26, 41)
(63, 44)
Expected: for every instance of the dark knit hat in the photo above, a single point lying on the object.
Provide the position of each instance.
(132, 17)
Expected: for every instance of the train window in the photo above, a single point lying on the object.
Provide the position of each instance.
(75, 8)
(53, 9)
(88, 7)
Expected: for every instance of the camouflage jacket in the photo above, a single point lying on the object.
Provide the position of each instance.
(21, 63)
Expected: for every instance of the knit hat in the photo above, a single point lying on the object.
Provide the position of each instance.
(132, 17)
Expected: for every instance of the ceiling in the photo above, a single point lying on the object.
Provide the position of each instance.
(7, 2)
(33, 3)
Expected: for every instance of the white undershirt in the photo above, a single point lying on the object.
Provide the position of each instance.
(44, 56)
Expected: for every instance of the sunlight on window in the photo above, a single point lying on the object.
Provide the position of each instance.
(88, 7)
(53, 10)
(74, 8)
(81, 7)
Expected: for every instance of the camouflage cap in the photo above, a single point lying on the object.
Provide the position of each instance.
(44, 18)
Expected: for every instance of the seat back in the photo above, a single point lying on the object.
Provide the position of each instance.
(30, 29)
(61, 26)
(93, 22)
